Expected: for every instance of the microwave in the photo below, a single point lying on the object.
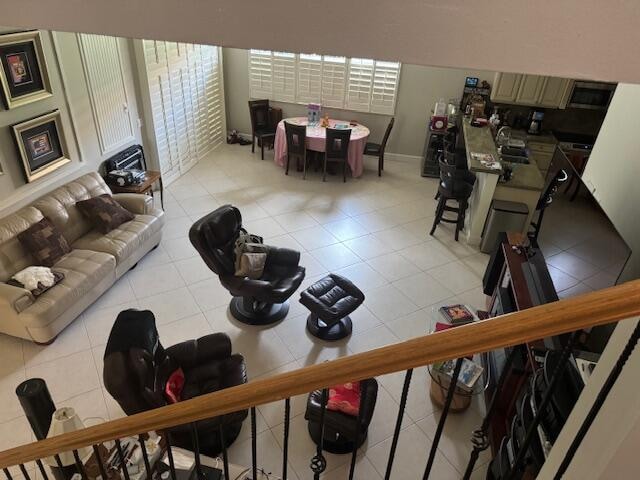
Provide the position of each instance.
(591, 95)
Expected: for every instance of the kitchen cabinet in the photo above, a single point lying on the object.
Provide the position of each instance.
(530, 90)
(555, 92)
(505, 87)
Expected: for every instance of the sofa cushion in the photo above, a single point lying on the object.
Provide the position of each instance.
(104, 212)
(44, 242)
(13, 256)
(59, 206)
(83, 270)
(123, 241)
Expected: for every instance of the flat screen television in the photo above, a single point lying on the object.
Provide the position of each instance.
(582, 248)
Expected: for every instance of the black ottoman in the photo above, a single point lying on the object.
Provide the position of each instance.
(330, 301)
(340, 428)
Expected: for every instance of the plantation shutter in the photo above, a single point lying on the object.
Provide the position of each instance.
(260, 74)
(284, 76)
(334, 77)
(309, 78)
(359, 85)
(386, 77)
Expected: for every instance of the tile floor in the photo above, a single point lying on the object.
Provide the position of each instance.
(373, 230)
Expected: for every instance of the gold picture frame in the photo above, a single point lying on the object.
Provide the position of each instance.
(24, 77)
(41, 145)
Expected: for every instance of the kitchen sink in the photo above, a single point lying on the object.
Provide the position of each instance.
(513, 155)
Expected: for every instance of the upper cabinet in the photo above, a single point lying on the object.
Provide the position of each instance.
(555, 92)
(532, 90)
(505, 87)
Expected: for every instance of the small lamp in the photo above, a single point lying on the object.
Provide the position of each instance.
(66, 420)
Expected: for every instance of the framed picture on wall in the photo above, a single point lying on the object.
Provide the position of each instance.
(23, 76)
(41, 145)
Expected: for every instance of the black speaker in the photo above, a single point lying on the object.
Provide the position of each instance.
(37, 404)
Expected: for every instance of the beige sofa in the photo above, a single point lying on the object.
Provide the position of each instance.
(95, 262)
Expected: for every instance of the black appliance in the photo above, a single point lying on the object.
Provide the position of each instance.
(591, 95)
(37, 404)
(535, 122)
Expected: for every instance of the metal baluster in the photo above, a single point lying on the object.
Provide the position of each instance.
(145, 456)
(25, 474)
(363, 393)
(123, 460)
(546, 399)
(285, 446)
(318, 462)
(443, 418)
(7, 473)
(196, 449)
(479, 439)
(396, 432)
(254, 447)
(44, 472)
(96, 452)
(225, 458)
(58, 461)
(79, 465)
(172, 466)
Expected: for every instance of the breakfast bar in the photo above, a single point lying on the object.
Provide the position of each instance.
(525, 184)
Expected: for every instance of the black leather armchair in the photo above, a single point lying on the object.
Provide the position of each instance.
(256, 301)
(136, 369)
(340, 428)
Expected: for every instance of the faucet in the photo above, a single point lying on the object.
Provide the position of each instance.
(501, 135)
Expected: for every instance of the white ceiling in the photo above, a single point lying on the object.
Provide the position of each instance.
(571, 38)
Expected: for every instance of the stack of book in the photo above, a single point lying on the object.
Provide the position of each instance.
(456, 315)
(470, 373)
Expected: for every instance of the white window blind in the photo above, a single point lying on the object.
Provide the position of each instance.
(284, 76)
(385, 86)
(309, 78)
(359, 84)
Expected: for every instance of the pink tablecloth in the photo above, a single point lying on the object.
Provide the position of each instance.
(316, 139)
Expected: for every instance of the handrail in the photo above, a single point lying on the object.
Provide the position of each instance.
(591, 309)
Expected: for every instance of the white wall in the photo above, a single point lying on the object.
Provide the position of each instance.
(420, 87)
(70, 96)
(571, 39)
(613, 169)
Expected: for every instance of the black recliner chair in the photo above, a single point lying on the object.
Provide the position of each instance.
(136, 369)
(255, 301)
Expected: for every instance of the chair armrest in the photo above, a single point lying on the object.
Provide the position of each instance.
(282, 257)
(15, 298)
(137, 203)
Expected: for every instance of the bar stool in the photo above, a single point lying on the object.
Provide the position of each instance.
(451, 188)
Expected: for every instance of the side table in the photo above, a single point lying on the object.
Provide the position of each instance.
(146, 186)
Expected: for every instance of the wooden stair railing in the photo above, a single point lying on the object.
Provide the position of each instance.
(597, 308)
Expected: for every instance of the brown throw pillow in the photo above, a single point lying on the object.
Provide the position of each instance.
(44, 242)
(104, 212)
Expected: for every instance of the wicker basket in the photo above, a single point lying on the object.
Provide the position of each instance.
(438, 393)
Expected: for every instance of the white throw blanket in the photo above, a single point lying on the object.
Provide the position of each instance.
(30, 276)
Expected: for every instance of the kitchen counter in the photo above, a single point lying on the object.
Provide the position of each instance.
(525, 176)
(479, 140)
(525, 185)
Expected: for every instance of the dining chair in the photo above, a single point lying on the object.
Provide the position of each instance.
(377, 149)
(261, 126)
(337, 149)
(296, 145)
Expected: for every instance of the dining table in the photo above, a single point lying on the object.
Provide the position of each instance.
(316, 135)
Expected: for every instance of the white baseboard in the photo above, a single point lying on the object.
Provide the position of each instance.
(401, 157)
